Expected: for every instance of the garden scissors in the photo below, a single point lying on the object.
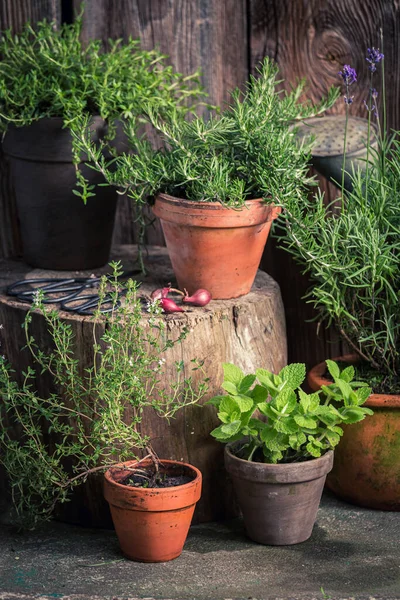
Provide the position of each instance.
(66, 292)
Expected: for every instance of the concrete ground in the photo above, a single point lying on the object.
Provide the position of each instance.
(353, 553)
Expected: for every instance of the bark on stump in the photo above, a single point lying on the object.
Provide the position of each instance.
(248, 331)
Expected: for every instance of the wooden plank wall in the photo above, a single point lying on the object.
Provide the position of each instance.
(226, 39)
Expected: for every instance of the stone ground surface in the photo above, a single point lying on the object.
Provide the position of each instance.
(353, 553)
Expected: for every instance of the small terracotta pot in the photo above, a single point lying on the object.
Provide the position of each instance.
(152, 523)
(212, 246)
(366, 469)
(279, 502)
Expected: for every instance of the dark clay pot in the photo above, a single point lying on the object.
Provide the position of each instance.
(58, 230)
(279, 502)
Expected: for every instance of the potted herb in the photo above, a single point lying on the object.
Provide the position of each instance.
(218, 182)
(49, 80)
(279, 459)
(353, 259)
(91, 420)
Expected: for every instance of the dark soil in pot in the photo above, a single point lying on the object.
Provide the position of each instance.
(150, 478)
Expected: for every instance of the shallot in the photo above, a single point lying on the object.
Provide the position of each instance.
(169, 306)
(160, 293)
(199, 298)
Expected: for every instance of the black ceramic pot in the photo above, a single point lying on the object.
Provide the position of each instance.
(58, 230)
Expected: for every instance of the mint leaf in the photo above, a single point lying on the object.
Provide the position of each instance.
(246, 383)
(293, 374)
(244, 403)
(232, 373)
(230, 387)
(333, 369)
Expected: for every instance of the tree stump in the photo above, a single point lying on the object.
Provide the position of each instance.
(248, 331)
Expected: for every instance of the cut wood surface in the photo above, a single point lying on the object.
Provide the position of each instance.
(248, 331)
(226, 39)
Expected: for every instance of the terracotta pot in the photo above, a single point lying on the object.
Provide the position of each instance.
(279, 502)
(58, 230)
(152, 523)
(366, 469)
(212, 246)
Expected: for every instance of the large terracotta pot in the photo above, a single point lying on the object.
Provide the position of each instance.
(366, 469)
(152, 523)
(279, 502)
(58, 230)
(212, 246)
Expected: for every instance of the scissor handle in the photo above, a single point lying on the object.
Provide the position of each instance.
(14, 288)
(86, 308)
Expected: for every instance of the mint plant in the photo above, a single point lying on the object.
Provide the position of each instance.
(278, 421)
(85, 411)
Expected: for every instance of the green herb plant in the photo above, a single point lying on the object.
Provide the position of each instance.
(277, 421)
(246, 151)
(49, 72)
(93, 414)
(353, 257)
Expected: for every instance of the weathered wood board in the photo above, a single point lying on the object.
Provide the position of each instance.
(249, 331)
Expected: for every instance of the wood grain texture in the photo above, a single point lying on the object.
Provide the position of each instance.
(249, 331)
(14, 14)
(210, 35)
(313, 40)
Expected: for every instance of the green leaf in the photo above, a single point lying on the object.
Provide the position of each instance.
(230, 387)
(265, 378)
(353, 414)
(348, 374)
(231, 428)
(363, 394)
(259, 394)
(246, 383)
(333, 369)
(294, 374)
(332, 437)
(305, 422)
(244, 403)
(285, 401)
(286, 425)
(215, 401)
(228, 405)
(222, 436)
(233, 374)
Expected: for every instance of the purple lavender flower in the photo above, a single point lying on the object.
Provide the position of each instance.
(348, 99)
(373, 57)
(348, 75)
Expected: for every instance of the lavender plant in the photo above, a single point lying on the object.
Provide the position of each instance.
(87, 411)
(353, 258)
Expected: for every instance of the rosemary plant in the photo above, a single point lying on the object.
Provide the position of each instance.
(87, 413)
(49, 72)
(353, 257)
(247, 151)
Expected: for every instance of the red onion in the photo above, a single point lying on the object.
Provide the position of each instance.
(160, 293)
(169, 306)
(199, 298)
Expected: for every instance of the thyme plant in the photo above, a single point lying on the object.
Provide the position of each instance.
(93, 415)
(49, 72)
(353, 257)
(247, 151)
(298, 426)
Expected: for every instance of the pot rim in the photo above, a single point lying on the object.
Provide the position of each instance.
(160, 491)
(212, 215)
(316, 380)
(280, 473)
